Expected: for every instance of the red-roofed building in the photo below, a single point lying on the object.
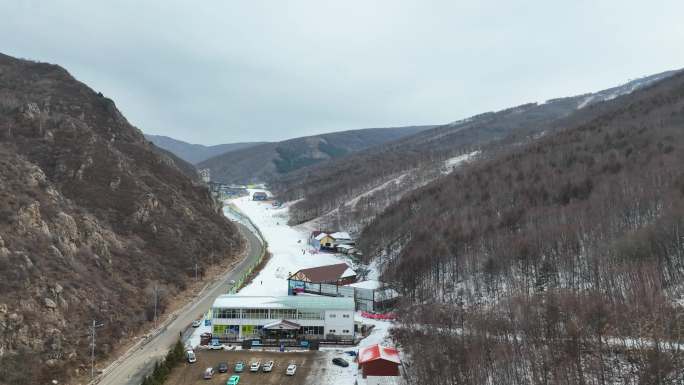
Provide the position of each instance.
(376, 360)
(340, 274)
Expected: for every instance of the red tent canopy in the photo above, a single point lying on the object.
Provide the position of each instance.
(377, 352)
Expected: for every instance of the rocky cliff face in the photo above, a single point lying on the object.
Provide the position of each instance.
(91, 217)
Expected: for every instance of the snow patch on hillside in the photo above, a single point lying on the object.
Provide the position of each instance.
(586, 102)
(382, 186)
(625, 89)
(452, 163)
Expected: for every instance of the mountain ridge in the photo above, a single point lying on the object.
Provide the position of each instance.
(550, 254)
(92, 218)
(324, 187)
(268, 161)
(195, 153)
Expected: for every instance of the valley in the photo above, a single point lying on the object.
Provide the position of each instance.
(341, 193)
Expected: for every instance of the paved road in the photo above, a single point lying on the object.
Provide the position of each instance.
(140, 363)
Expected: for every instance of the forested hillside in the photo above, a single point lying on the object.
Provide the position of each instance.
(270, 161)
(557, 262)
(419, 158)
(93, 218)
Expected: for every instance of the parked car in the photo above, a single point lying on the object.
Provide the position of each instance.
(190, 355)
(268, 366)
(291, 369)
(233, 380)
(197, 323)
(205, 339)
(208, 373)
(215, 344)
(255, 366)
(239, 367)
(223, 367)
(340, 362)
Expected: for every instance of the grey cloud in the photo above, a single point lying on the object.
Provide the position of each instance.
(227, 71)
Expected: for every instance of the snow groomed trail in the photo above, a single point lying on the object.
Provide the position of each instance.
(288, 246)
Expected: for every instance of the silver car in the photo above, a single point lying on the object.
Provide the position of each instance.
(291, 370)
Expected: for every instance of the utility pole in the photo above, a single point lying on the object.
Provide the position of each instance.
(196, 267)
(94, 326)
(155, 306)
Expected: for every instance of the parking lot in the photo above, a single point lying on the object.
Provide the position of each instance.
(309, 364)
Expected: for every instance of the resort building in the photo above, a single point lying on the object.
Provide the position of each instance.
(289, 317)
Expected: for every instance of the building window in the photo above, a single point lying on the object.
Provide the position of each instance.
(249, 330)
(226, 330)
(333, 315)
(311, 315)
(312, 330)
(283, 314)
(345, 331)
(255, 313)
(345, 315)
(332, 331)
(226, 313)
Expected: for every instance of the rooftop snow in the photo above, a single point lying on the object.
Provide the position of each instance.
(228, 301)
(370, 284)
(348, 273)
(341, 235)
(327, 273)
(377, 352)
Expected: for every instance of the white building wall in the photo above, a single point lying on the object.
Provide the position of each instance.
(339, 322)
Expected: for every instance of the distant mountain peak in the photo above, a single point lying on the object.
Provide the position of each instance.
(268, 161)
(195, 153)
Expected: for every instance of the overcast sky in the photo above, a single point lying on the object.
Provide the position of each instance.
(225, 71)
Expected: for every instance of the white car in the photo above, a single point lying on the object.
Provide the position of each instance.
(215, 344)
(197, 323)
(267, 366)
(255, 366)
(208, 373)
(190, 355)
(291, 369)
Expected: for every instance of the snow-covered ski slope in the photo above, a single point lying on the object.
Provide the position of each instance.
(289, 247)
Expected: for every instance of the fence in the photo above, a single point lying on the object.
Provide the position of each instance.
(364, 299)
(233, 213)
